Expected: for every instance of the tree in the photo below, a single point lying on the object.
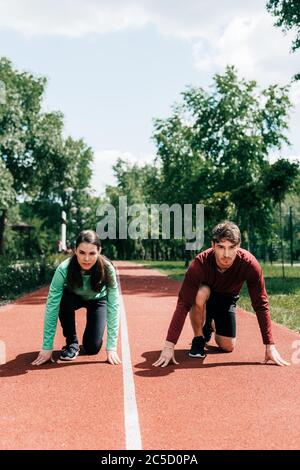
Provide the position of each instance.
(21, 127)
(17, 115)
(140, 185)
(287, 13)
(184, 170)
(218, 143)
(279, 180)
(48, 172)
(7, 198)
(18, 120)
(68, 190)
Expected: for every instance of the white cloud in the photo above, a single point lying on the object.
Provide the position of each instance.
(260, 52)
(251, 43)
(295, 92)
(104, 161)
(198, 18)
(71, 18)
(220, 32)
(186, 19)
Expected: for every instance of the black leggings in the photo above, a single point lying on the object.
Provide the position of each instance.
(221, 308)
(96, 312)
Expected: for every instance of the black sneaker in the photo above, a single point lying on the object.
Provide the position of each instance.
(69, 352)
(197, 349)
(207, 331)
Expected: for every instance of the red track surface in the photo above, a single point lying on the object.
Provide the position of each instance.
(226, 401)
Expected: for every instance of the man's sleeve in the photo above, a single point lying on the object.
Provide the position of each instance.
(259, 300)
(186, 298)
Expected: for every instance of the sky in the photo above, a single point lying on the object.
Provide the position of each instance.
(114, 65)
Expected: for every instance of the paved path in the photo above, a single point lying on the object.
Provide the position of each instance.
(226, 401)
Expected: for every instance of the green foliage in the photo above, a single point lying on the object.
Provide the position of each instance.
(17, 277)
(19, 115)
(214, 149)
(7, 194)
(140, 185)
(280, 178)
(38, 166)
(287, 13)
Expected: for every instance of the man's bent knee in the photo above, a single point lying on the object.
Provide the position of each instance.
(225, 343)
(228, 349)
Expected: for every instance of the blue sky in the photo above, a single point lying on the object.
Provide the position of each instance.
(112, 66)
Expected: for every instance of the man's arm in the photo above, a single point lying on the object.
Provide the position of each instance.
(260, 301)
(186, 298)
(273, 355)
(260, 304)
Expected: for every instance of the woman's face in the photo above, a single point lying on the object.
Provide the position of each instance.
(87, 255)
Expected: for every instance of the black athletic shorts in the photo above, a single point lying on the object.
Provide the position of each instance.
(221, 308)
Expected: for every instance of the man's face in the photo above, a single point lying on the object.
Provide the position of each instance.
(225, 253)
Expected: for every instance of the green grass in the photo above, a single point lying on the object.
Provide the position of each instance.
(284, 294)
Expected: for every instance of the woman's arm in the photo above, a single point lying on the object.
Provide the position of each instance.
(113, 315)
(52, 307)
(51, 315)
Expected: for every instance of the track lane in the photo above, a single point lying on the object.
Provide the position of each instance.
(226, 401)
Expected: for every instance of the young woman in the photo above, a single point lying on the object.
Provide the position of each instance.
(87, 279)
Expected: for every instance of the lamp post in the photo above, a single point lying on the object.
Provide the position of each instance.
(281, 240)
(63, 228)
(63, 231)
(291, 236)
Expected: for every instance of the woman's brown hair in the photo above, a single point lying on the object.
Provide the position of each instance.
(99, 274)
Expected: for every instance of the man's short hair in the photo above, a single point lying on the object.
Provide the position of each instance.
(226, 231)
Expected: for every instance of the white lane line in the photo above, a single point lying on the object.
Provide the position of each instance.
(2, 353)
(131, 417)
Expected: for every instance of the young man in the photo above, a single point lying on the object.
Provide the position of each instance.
(210, 291)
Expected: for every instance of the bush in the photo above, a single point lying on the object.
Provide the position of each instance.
(18, 277)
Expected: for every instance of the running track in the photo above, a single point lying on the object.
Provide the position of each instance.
(226, 401)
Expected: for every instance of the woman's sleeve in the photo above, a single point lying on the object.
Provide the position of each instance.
(113, 310)
(52, 307)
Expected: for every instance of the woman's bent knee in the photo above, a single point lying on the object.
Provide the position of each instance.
(91, 349)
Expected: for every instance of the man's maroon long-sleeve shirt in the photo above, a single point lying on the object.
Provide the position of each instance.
(203, 270)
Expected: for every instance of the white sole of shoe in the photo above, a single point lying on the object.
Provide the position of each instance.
(69, 358)
(197, 355)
